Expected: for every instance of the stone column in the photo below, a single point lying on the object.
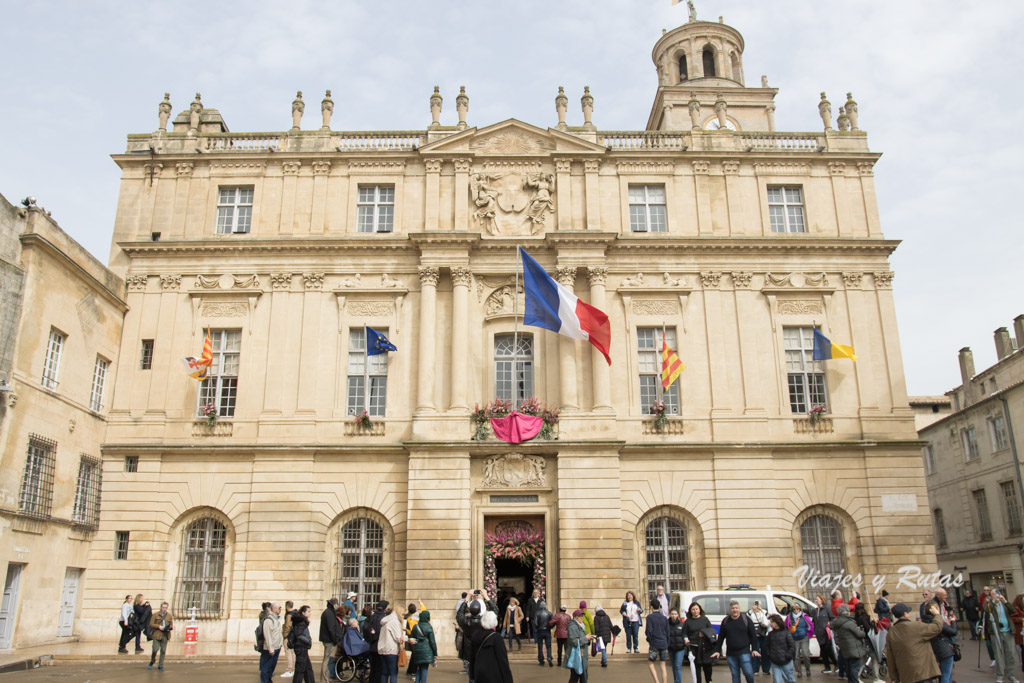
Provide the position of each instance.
(592, 187)
(432, 192)
(596, 276)
(462, 278)
(566, 277)
(428, 323)
(461, 198)
(563, 193)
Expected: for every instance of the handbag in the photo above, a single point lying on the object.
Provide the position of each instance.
(957, 654)
(402, 658)
(574, 661)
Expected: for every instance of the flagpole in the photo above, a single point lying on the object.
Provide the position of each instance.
(515, 331)
(366, 370)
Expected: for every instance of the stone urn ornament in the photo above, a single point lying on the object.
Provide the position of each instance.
(462, 106)
(694, 107)
(851, 110)
(165, 111)
(561, 106)
(587, 101)
(298, 106)
(326, 109)
(825, 110)
(435, 108)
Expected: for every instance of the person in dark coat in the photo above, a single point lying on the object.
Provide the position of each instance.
(578, 637)
(560, 622)
(468, 617)
(780, 649)
(542, 631)
(143, 613)
(882, 607)
(700, 640)
(330, 630)
(822, 620)
(850, 640)
(424, 651)
(603, 630)
(488, 661)
(300, 641)
(676, 644)
(656, 632)
(530, 610)
(972, 611)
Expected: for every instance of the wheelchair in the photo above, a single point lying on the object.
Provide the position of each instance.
(346, 668)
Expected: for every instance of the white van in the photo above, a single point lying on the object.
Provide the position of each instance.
(716, 604)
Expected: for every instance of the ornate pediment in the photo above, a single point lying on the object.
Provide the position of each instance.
(512, 138)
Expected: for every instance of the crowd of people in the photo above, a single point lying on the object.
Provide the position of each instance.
(850, 639)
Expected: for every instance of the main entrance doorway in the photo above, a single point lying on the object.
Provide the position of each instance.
(514, 559)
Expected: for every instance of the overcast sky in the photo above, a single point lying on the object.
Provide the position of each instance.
(938, 83)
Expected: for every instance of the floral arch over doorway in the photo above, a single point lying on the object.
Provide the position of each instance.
(514, 540)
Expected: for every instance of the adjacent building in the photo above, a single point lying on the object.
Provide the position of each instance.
(973, 469)
(707, 230)
(61, 312)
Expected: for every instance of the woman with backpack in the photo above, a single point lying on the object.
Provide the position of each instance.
(424, 652)
(299, 641)
(699, 637)
(780, 649)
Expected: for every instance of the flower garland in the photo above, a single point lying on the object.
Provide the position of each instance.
(522, 545)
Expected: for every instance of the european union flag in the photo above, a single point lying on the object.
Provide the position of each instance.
(377, 343)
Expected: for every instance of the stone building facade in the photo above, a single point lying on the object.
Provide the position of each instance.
(61, 312)
(973, 473)
(733, 239)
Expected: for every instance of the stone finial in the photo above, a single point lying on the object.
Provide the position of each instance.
(326, 109)
(194, 110)
(851, 110)
(462, 106)
(561, 105)
(722, 111)
(825, 110)
(588, 107)
(298, 106)
(764, 81)
(692, 11)
(694, 107)
(165, 111)
(843, 120)
(435, 108)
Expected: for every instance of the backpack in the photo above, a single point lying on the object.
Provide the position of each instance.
(291, 639)
(259, 638)
(371, 628)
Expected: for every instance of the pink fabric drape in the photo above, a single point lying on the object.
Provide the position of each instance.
(517, 427)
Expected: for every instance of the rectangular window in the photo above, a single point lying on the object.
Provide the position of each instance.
(146, 356)
(121, 545)
(786, 209)
(970, 440)
(51, 365)
(806, 377)
(513, 371)
(220, 388)
(376, 206)
(1011, 506)
(99, 381)
(36, 497)
(87, 493)
(649, 362)
(647, 209)
(359, 399)
(997, 432)
(234, 210)
(981, 511)
(928, 453)
(940, 528)
(131, 463)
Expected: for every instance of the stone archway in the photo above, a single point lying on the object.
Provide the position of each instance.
(515, 541)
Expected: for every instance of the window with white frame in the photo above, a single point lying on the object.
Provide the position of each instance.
(647, 209)
(234, 210)
(940, 528)
(51, 364)
(367, 385)
(786, 208)
(997, 432)
(805, 376)
(36, 496)
(201, 570)
(99, 382)
(513, 376)
(970, 440)
(981, 514)
(220, 388)
(361, 560)
(1011, 507)
(376, 208)
(86, 510)
(928, 454)
(649, 364)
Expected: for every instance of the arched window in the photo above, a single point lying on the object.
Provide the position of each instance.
(821, 537)
(201, 572)
(361, 565)
(513, 383)
(683, 74)
(737, 70)
(668, 559)
(708, 59)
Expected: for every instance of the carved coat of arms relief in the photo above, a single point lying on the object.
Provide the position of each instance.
(511, 202)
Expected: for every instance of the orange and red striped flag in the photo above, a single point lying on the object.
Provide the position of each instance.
(671, 366)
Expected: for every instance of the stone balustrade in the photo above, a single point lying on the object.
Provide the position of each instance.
(642, 140)
(782, 142)
(380, 141)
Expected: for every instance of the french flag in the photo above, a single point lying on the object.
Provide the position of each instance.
(553, 307)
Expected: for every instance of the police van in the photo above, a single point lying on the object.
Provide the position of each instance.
(716, 604)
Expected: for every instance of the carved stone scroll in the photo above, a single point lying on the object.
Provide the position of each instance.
(514, 470)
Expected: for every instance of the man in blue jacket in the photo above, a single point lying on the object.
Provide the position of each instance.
(656, 632)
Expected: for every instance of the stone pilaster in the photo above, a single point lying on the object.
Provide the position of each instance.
(566, 277)
(563, 193)
(428, 320)
(462, 194)
(432, 194)
(591, 186)
(596, 276)
(462, 279)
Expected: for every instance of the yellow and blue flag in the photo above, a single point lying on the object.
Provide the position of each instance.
(377, 343)
(826, 349)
